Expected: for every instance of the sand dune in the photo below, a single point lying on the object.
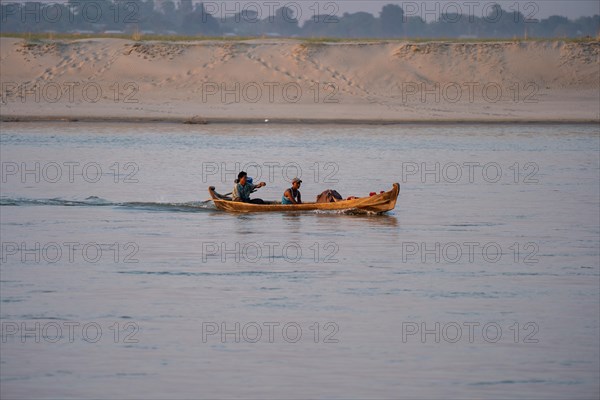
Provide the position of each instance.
(294, 80)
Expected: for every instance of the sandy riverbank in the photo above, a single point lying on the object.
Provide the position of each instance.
(291, 81)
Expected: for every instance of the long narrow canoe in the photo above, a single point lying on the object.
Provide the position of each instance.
(378, 203)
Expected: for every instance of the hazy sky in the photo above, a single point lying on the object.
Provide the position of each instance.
(425, 8)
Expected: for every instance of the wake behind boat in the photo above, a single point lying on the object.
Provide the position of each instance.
(378, 203)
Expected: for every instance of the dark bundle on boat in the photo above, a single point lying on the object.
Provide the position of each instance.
(329, 196)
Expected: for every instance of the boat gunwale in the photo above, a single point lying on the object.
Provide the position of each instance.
(370, 204)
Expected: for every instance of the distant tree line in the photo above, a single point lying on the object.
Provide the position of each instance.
(185, 17)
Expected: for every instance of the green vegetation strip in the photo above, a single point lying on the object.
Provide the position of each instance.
(180, 38)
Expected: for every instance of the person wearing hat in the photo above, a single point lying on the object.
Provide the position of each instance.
(243, 188)
(292, 195)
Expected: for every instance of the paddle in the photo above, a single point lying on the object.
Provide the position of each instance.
(227, 194)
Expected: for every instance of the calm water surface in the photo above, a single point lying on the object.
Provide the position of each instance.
(119, 280)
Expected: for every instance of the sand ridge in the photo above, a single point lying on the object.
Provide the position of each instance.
(295, 80)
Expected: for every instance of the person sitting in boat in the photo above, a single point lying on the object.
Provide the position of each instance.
(292, 195)
(243, 188)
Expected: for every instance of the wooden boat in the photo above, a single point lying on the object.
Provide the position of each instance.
(378, 203)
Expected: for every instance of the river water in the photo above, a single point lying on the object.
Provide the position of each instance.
(120, 280)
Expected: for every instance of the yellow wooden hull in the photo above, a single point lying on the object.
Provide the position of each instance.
(378, 203)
